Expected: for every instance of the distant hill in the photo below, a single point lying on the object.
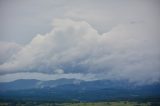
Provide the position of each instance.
(72, 89)
(35, 84)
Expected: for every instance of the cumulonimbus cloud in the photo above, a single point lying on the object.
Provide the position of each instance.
(128, 51)
(7, 49)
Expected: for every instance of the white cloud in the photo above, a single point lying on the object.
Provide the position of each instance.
(129, 51)
(59, 71)
(7, 49)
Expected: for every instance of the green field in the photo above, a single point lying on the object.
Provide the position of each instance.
(121, 103)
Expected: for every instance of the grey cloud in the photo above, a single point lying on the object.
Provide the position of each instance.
(128, 51)
(7, 49)
(22, 20)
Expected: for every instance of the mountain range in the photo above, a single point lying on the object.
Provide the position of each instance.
(73, 89)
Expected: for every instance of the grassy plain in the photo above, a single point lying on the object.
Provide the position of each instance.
(121, 103)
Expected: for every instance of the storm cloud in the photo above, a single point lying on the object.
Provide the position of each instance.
(127, 51)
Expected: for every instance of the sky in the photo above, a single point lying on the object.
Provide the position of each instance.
(81, 39)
